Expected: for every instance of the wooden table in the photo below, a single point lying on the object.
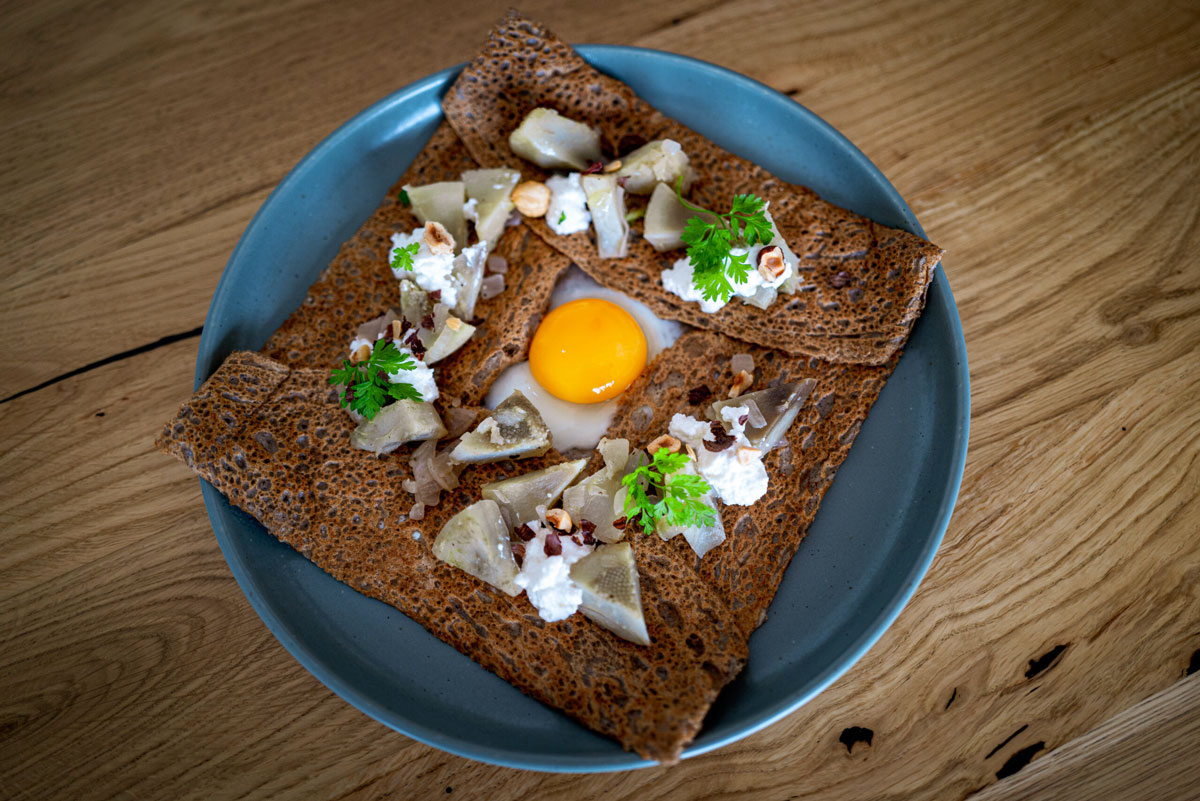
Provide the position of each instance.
(1052, 148)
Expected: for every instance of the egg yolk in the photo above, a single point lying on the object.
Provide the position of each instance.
(587, 351)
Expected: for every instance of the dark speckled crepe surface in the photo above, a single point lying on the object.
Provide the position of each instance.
(267, 432)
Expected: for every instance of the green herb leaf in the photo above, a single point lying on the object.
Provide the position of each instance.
(636, 214)
(711, 238)
(402, 259)
(562, 217)
(367, 388)
(404, 198)
(659, 491)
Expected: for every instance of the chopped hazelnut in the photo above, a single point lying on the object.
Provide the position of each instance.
(532, 198)
(397, 327)
(440, 240)
(690, 452)
(746, 455)
(770, 262)
(741, 383)
(361, 354)
(453, 323)
(559, 519)
(665, 441)
(612, 166)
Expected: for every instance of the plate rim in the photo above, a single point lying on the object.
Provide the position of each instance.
(214, 501)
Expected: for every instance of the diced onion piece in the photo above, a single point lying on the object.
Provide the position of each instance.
(492, 286)
(741, 361)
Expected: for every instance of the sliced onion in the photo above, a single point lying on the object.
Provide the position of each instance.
(432, 473)
(497, 264)
(457, 421)
(417, 512)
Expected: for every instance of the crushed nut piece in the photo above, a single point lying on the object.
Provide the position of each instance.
(559, 519)
(361, 354)
(397, 329)
(746, 455)
(612, 166)
(664, 441)
(741, 383)
(770, 262)
(453, 323)
(690, 452)
(532, 198)
(440, 240)
(553, 546)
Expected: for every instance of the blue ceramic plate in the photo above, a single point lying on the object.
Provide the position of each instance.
(874, 536)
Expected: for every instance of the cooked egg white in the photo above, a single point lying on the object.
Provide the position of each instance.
(581, 425)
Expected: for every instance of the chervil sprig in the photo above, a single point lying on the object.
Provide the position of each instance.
(402, 259)
(366, 385)
(710, 240)
(659, 491)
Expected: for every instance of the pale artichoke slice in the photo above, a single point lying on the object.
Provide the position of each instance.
(515, 430)
(612, 596)
(398, 423)
(451, 336)
(777, 406)
(702, 538)
(476, 540)
(467, 272)
(520, 496)
(606, 202)
(666, 218)
(661, 161)
(553, 141)
(414, 303)
(491, 191)
(441, 202)
(600, 498)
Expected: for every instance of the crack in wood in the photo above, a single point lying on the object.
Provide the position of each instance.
(953, 695)
(1045, 661)
(170, 339)
(1007, 740)
(1194, 664)
(1019, 760)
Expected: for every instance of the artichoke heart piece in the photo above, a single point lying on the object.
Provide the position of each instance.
(600, 498)
(606, 202)
(398, 423)
(520, 496)
(514, 430)
(489, 196)
(553, 141)
(441, 202)
(476, 540)
(702, 538)
(612, 596)
(452, 334)
(467, 272)
(666, 218)
(661, 161)
(775, 407)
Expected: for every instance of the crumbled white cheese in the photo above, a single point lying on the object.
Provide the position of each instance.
(678, 278)
(737, 481)
(547, 579)
(471, 210)
(431, 271)
(568, 212)
(421, 376)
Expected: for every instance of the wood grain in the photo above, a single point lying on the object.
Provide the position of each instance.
(1112, 761)
(1053, 149)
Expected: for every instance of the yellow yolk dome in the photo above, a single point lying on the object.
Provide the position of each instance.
(587, 351)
